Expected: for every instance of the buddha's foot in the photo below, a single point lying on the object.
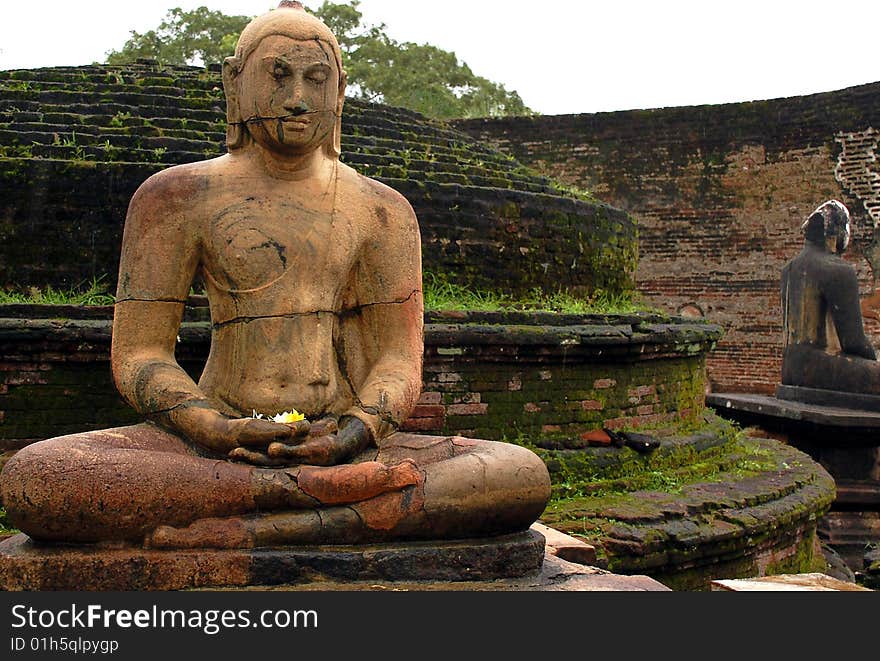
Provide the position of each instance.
(353, 483)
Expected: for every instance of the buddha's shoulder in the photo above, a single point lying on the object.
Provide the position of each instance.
(368, 192)
(180, 183)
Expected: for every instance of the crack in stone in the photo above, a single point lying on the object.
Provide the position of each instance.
(258, 119)
(190, 403)
(485, 468)
(341, 314)
(150, 300)
(358, 515)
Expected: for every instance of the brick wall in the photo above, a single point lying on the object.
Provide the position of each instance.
(719, 193)
(490, 376)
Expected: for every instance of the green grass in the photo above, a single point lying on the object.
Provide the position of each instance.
(87, 293)
(5, 524)
(440, 294)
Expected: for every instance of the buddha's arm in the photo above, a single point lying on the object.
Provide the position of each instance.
(159, 259)
(842, 293)
(391, 314)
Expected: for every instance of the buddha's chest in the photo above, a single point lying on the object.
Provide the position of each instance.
(257, 242)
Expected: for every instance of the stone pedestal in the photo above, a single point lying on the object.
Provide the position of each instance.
(845, 440)
(510, 563)
(27, 565)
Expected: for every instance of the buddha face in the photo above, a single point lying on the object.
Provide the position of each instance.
(288, 94)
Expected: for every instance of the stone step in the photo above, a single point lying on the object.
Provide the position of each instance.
(814, 582)
(108, 108)
(762, 498)
(127, 113)
(128, 97)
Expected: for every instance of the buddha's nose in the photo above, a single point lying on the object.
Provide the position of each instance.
(296, 106)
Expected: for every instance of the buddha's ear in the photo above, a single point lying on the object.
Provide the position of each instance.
(334, 147)
(343, 82)
(236, 132)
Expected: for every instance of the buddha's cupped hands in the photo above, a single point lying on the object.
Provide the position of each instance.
(326, 445)
(219, 433)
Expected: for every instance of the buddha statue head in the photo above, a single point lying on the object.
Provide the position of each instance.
(285, 85)
(829, 227)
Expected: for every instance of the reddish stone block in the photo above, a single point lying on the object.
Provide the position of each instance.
(467, 409)
(515, 384)
(592, 405)
(549, 429)
(26, 379)
(422, 424)
(596, 437)
(17, 367)
(428, 411)
(645, 410)
(642, 391)
(431, 398)
(531, 407)
(604, 384)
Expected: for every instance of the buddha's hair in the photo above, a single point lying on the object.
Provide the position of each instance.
(831, 219)
(290, 19)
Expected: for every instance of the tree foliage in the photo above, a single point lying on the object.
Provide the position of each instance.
(421, 77)
(200, 37)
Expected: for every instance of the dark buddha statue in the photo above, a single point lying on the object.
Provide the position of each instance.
(825, 346)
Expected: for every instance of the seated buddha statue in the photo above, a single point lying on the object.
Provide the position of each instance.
(313, 275)
(825, 346)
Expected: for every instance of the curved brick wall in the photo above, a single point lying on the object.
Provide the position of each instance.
(547, 377)
(75, 142)
(719, 193)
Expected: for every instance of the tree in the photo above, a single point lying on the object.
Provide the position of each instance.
(421, 77)
(201, 37)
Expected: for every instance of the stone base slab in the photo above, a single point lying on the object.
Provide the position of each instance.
(832, 398)
(27, 565)
(510, 563)
(556, 575)
(766, 407)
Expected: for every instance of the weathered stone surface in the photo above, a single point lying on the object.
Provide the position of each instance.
(845, 441)
(829, 398)
(566, 547)
(556, 575)
(741, 509)
(787, 583)
(771, 407)
(26, 565)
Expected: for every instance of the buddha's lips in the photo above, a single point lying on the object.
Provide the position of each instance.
(297, 122)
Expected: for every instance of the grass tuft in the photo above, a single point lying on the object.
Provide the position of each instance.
(440, 294)
(87, 293)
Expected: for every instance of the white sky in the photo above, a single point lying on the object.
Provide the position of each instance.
(562, 56)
